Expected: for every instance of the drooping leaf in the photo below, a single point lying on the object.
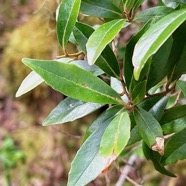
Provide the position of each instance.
(139, 92)
(103, 9)
(88, 164)
(108, 114)
(174, 119)
(161, 31)
(128, 67)
(101, 37)
(155, 158)
(175, 148)
(73, 81)
(182, 86)
(66, 19)
(69, 110)
(149, 129)
(116, 135)
(29, 83)
(107, 61)
(154, 13)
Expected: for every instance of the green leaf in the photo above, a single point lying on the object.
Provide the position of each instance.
(154, 13)
(116, 135)
(155, 158)
(173, 3)
(88, 164)
(137, 4)
(107, 61)
(66, 19)
(160, 60)
(128, 67)
(149, 129)
(103, 9)
(73, 81)
(69, 110)
(29, 83)
(158, 109)
(128, 5)
(109, 114)
(175, 148)
(182, 86)
(101, 37)
(134, 136)
(161, 31)
(139, 92)
(174, 119)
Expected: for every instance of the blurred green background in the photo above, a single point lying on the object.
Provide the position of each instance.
(29, 153)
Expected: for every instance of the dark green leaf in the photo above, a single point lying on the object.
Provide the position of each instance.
(175, 148)
(116, 135)
(101, 37)
(134, 136)
(103, 9)
(149, 129)
(137, 4)
(161, 31)
(154, 13)
(69, 110)
(155, 158)
(66, 19)
(182, 86)
(73, 81)
(139, 92)
(107, 61)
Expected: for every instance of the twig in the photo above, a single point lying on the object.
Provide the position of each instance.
(132, 181)
(126, 171)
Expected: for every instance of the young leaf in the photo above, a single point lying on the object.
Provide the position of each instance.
(174, 119)
(69, 110)
(107, 61)
(101, 37)
(29, 83)
(88, 164)
(150, 130)
(103, 9)
(155, 158)
(116, 135)
(66, 19)
(175, 148)
(109, 114)
(154, 13)
(161, 31)
(182, 86)
(73, 81)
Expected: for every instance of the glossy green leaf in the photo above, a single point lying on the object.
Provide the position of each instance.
(109, 114)
(107, 61)
(149, 129)
(29, 83)
(137, 4)
(182, 86)
(155, 158)
(173, 3)
(158, 109)
(101, 37)
(128, 67)
(128, 5)
(161, 31)
(174, 119)
(88, 164)
(139, 92)
(116, 135)
(154, 13)
(73, 81)
(134, 136)
(69, 110)
(160, 60)
(175, 148)
(103, 9)
(157, 87)
(66, 19)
